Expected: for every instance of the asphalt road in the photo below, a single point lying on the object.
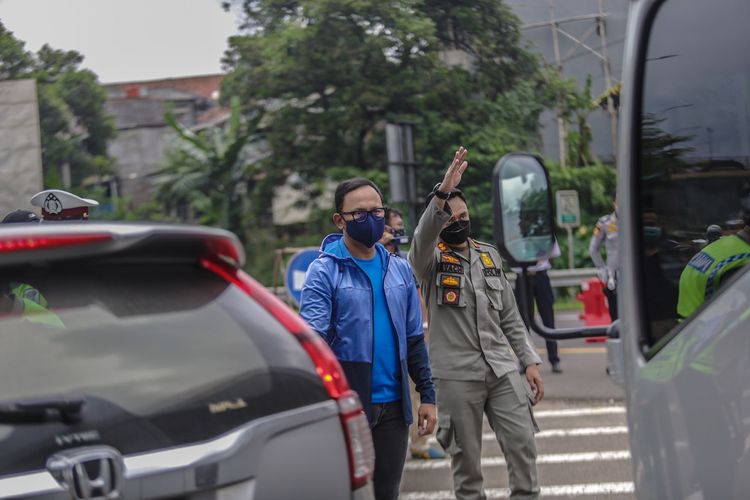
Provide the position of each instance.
(582, 447)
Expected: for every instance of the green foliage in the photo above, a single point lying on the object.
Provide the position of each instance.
(331, 72)
(210, 172)
(74, 125)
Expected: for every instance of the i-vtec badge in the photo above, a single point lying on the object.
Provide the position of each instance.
(223, 406)
(91, 473)
(77, 438)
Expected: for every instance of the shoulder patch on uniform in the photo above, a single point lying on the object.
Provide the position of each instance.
(443, 247)
(483, 243)
(487, 261)
(701, 262)
(450, 259)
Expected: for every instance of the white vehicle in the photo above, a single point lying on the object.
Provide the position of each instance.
(683, 165)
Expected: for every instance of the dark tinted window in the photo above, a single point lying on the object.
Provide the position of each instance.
(164, 354)
(694, 153)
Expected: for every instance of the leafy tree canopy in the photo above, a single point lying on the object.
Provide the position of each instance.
(331, 72)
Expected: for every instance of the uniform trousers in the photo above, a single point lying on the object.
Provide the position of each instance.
(542, 294)
(506, 402)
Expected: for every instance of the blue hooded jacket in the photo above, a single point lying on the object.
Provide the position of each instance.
(337, 303)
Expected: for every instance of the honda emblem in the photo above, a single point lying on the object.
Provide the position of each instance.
(91, 473)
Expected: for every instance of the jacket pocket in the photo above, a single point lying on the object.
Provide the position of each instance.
(446, 434)
(525, 395)
(494, 292)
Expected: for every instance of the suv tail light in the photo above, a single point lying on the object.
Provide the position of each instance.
(353, 419)
(25, 243)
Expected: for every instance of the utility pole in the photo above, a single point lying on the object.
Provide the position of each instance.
(607, 79)
(580, 42)
(561, 132)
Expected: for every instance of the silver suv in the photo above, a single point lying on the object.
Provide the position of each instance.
(139, 361)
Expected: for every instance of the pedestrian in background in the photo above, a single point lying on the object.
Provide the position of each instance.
(477, 340)
(363, 301)
(544, 297)
(393, 237)
(605, 233)
(395, 232)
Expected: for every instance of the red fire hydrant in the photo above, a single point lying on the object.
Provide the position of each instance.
(595, 311)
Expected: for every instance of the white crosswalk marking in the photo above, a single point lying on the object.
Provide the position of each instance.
(580, 412)
(583, 431)
(568, 490)
(582, 452)
(559, 458)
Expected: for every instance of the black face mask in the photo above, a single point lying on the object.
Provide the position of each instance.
(456, 233)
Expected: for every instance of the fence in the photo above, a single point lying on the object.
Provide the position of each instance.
(558, 278)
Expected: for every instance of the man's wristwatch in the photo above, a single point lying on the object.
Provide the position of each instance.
(440, 194)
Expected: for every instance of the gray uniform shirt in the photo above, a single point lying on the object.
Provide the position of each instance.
(473, 316)
(605, 232)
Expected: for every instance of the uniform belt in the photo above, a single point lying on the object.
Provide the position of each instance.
(534, 273)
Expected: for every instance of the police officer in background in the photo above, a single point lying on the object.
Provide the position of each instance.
(606, 232)
(58, 205)
(23, 298)
(476, 333)
(544, 296)
(714, 264)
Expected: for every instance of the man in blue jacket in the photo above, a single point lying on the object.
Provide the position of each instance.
(364, 303)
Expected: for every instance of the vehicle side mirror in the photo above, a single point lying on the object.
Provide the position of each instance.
(522, 206)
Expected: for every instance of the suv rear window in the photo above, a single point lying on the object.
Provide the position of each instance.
(163, 354)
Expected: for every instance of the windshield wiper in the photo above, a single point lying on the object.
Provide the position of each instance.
(66, 408)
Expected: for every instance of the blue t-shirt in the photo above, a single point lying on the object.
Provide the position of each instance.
(386, 386)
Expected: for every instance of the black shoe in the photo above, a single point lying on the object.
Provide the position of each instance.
(556, 367)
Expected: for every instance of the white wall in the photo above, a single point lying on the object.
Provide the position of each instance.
(20, 145)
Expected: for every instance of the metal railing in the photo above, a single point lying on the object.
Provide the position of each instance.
(564, 277)
(558, 278)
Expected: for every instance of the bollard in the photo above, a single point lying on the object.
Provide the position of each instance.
(595, 311)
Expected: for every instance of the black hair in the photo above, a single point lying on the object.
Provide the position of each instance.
(392, 211)
(350, 185)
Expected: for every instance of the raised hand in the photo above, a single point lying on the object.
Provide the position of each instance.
(458, 166)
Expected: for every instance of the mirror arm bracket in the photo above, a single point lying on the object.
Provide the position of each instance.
(527, 311)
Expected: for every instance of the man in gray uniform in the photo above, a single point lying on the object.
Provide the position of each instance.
(606, 232)
(475, 330)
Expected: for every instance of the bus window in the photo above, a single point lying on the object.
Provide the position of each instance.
(694, 160)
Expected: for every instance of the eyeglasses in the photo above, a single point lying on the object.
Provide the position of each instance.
(361, 215)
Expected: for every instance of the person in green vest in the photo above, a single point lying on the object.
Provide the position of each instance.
(714, 264)
(23, 298)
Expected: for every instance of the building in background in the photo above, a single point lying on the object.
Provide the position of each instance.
(143, 136)
(20, 145)
(581, 38)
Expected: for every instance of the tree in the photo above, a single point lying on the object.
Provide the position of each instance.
(329, 73)
(74, 125)
(212, 171)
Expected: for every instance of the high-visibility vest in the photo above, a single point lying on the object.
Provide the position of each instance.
(34, 305)
(701, 277)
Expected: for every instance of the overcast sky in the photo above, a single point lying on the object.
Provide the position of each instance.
(125, 40)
